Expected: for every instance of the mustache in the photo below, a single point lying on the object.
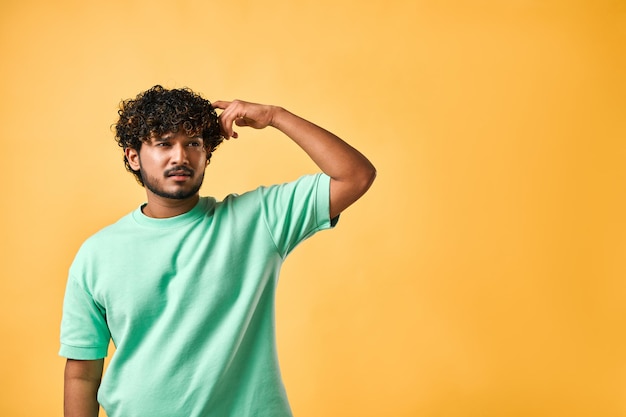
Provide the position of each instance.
(177, 170)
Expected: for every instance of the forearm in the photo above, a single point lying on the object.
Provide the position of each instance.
(350, 171)
(331, 154)
(82, 380)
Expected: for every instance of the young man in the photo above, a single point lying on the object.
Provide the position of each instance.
(184, 285)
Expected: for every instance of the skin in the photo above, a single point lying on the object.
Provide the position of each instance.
(168, 194)
(172, 168)
(82, 380)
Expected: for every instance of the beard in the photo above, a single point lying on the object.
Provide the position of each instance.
(182, 193)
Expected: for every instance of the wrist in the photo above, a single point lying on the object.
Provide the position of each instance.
(278, 117)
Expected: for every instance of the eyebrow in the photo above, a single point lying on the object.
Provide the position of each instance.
(169, 135)
(164, 137)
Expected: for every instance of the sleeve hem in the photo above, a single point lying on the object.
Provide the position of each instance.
(323, 204)
(83, 353)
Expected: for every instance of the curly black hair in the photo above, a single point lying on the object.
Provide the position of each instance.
(157, 111)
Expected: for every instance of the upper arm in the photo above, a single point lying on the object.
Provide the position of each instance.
(82, 380)
(84, 329)
(86, 370)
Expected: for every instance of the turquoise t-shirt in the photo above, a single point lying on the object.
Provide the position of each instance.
(189, 303)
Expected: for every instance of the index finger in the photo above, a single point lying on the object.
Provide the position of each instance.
(220, 104)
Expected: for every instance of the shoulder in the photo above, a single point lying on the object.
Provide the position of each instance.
(106, 236)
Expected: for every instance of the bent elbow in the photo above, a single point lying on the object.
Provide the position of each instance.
(367, 178)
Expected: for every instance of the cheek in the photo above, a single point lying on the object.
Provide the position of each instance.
(153, 158)
(199, 159)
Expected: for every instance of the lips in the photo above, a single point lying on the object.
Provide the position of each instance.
(178, 172)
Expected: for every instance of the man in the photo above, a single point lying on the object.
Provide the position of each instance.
(184, 285)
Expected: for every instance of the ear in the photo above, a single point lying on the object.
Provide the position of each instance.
(132, 156)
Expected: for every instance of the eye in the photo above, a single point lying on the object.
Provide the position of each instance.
(162, 144)
(195, 144)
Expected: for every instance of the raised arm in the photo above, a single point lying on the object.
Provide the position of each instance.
(351, 174)
(82, 380)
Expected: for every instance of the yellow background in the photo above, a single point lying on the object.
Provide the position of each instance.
(483, 275)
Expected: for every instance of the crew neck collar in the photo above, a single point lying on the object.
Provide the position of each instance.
(168, 222)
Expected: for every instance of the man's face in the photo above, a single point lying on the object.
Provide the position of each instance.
(172, 165)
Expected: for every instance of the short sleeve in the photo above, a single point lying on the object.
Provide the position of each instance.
(84, 332)
(295, 211)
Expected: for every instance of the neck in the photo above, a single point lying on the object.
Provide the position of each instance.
(162, 208)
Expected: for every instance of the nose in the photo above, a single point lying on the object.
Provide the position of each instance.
(179, 155)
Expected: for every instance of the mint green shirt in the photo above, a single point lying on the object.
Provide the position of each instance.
(189, 303)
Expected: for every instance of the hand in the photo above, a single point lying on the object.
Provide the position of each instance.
(242, 113)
